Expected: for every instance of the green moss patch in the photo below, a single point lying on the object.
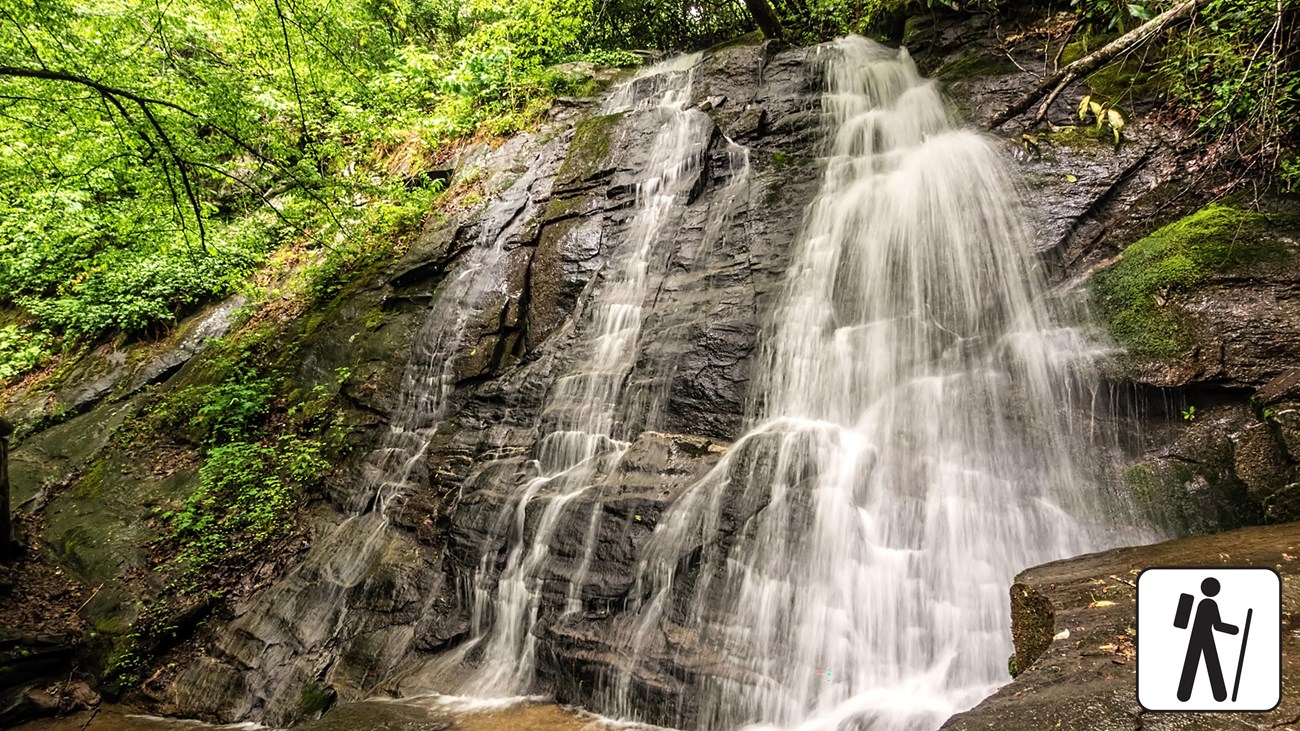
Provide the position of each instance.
(974, 65)
(1080, 137)
(316, 698)
(1118, 82)
(590, 147)
(753, 38)
(1133, 293)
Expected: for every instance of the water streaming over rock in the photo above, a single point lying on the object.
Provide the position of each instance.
(290, 634)
(909, 449)
(583, 432)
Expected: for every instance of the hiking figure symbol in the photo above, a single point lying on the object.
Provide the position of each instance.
(1208, 638)
(1202, 645)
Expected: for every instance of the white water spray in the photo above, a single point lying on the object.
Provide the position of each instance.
(310, 609)
(910, 449)
(582, 425)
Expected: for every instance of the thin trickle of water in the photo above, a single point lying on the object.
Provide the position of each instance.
(909, 449)
(665, 84)
(583, 430)
(311, 607)
(392, 469)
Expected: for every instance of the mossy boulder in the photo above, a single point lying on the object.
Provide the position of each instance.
(1135, 292)
(1206, 299)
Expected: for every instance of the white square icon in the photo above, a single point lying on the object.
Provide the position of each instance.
(1209, 639)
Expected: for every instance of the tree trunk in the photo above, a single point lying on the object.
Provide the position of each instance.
(1052, 85)
(765, 18)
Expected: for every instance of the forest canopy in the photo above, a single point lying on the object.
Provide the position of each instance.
(155, 153)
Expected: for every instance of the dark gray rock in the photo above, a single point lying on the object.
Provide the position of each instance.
(375, 597)
(28, 662)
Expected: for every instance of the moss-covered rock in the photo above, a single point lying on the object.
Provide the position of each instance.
(1124, 81)
(316, 699)
(1210, 475)
(100, 527)
(976, 64)
(1134, 293)
(589, 151)
(1084, 138)
(1033, 623)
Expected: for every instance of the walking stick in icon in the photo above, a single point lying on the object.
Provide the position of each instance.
(1241, 659)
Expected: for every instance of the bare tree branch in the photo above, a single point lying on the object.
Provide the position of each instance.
(293, 74)
(1052, 85)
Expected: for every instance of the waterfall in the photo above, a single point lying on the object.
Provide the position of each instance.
(909, 449)
(582, 431)
(280, 637)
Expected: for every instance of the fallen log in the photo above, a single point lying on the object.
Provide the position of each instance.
(1052, 85)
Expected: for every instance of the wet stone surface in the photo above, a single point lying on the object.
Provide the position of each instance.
(1087, 680)
(316, 638)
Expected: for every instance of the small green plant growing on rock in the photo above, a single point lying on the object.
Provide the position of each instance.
(235, 407)
(1105, 115)
(1189, 413)
(21, 350)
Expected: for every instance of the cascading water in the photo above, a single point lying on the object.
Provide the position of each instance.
(311, 608)
(845, 565)
(581, 418)
(909, 450)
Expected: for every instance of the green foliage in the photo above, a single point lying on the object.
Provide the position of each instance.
(1235, 69)
(1105, 115)
(617, 58)
(246, 492)
(1233, 73)
(1133, 292)
(20, 350)
(1289, 172)
(232, 410)
(151, 157)
(816, 20)
(392, 213)
(261, 457)
(1112, 15)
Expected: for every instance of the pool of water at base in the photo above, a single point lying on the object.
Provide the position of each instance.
(431, 713)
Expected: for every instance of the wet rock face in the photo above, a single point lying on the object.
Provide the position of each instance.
(1089, 200)
(1087, 680)
(1200, 295)
(560, 210)
(560, 201)
(1209, 297)
(1204, 306)
(27, 663)
(108, 374)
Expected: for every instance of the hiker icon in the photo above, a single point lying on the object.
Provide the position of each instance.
(1202, 645)
(1221, 653)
